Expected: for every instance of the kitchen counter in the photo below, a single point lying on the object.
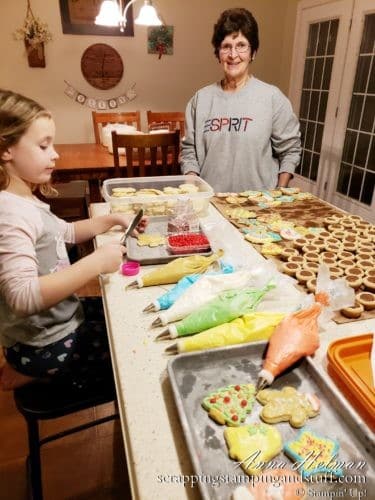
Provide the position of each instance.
(156, 451)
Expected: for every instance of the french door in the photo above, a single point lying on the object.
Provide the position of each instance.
(333, 92)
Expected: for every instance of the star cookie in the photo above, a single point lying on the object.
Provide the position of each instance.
(314, 454)
(230, 405)
(253, 445)
(287, 405)
(151, 240)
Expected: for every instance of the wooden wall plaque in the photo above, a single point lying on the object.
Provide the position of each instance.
(102, 66)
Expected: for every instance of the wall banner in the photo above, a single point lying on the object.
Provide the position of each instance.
(99, 104)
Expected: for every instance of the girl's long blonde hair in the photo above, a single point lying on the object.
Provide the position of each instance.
(17, 113)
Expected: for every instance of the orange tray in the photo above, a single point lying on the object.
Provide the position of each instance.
(350, 367)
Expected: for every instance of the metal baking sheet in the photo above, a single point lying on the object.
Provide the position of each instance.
(194, 375)
(154, 255)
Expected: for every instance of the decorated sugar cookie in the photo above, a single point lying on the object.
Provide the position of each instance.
(261, 236)
(303, 196)
(230, 405)
(290, 234)
(271, 249)
(235, 200)
(278, 225)
(286, 199)
(269, 204)
(314, 454)
(290, 190)
(287, 405)
(251, 194)
(240, 213)
(253, 445)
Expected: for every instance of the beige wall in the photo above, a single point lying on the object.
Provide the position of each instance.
(164, 84)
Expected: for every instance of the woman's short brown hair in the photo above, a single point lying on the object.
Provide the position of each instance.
(234, 21)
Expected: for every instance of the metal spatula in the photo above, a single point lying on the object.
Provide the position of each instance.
(132, 226)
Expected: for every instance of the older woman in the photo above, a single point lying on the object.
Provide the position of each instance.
(241, 133)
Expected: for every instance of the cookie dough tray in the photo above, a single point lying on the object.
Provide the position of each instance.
(147, 255)
(194, 375)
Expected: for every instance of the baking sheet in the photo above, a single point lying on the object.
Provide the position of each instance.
(194, 375)
(154, 255)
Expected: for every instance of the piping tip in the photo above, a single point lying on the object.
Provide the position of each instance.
(172, 349)
(164, 335)
(149, 308)
(261, 384)
(133, 284)
(156, 322)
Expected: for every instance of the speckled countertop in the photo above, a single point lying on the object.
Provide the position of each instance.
(156, 452)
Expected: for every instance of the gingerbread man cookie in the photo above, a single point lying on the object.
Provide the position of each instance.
(287, 405)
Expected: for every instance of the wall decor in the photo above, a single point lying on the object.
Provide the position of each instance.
(78, 18)
(99, 103)
(160, 40)
(35, 34)
(101, 65)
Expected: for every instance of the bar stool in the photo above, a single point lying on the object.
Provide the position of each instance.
(45, 401)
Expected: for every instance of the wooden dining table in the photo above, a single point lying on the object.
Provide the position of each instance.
(91, 162)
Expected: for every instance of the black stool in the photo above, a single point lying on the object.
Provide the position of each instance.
(44, 401)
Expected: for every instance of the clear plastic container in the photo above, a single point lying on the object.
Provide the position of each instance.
(194, 243)
(160, 202)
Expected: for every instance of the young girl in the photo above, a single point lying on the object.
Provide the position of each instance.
(45, 330)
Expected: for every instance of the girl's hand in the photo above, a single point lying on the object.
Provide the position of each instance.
(125, 220)
(108, 258)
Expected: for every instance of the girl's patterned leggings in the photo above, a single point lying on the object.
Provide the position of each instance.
(80, 358)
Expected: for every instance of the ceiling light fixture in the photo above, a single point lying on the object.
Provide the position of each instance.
(112, 14)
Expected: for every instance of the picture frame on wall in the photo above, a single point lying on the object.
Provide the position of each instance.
(78, 18)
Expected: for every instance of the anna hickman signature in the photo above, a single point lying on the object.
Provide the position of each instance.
(311, 461)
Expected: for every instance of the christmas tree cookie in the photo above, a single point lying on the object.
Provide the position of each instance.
(230, 405)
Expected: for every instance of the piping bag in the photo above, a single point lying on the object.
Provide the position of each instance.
(226, 307)
(176, 269)
(297, 335)
(166, 300)
(250, 327)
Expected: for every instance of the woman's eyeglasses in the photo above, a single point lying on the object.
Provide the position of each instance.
(240, 48)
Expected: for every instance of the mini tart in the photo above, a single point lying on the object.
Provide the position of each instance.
(364, 256)
(347, 223)
(332, 219)
(310, 248)
(332, 241)
(353, 312)
(288, 252)
(355, 218)
(312, 256)
(349, 238)
(340, 235)
(363, 226)
(311, 285)
(345, 255)
(324, 235)
(335, 227)
(335, 272)
(369, 282)
(345, 263)
(353, 281)
(300, 242)
(327, 260)
(365, 264)
(330, 247)
(304, 275)
(361, 238)
(290, 268)
(319, 243)
(370, 273)
(297, 259)
(354, 270)
(311, 266)
(329, 255)
(365, 247)
(310, 236)
(349, 246)
(367, 299)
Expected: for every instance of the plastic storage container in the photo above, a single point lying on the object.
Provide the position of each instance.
(187, 243)
(156, 203)
(349, 366)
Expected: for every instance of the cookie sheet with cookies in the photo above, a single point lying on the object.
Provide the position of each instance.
(297, 437)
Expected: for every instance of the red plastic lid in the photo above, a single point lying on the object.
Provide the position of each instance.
(130, 268)
(350, 366)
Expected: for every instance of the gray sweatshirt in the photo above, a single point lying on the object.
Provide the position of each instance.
(240, 140)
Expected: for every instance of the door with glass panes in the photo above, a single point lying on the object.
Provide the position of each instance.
(333, 92)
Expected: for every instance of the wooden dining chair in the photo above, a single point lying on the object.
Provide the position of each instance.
(146, 154)
(101, 119)
(175, 118)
